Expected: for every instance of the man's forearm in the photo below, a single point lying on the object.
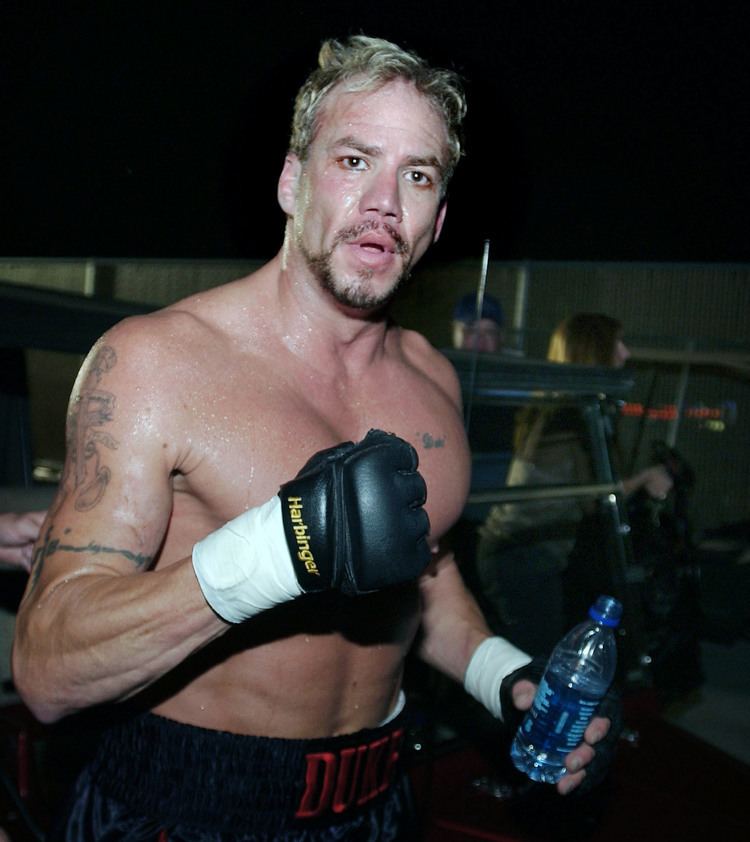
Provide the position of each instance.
(94, 637)
(452, 624)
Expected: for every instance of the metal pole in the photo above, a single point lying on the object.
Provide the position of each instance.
(674, 424)
(89, 278)
(520, 306)
(475, 354)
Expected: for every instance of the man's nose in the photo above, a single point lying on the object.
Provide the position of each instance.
(383, 196)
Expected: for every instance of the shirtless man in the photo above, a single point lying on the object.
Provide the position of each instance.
(172, 571)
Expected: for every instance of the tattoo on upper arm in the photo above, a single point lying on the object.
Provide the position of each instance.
(93, 408)
(50, 546)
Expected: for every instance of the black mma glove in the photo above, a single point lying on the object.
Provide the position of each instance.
(352, 520)
(353, 516)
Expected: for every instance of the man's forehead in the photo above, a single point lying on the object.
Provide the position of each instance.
(393, 105)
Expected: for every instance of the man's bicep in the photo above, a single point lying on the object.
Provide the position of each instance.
(114, 537)
(114, 501)
(70, 540)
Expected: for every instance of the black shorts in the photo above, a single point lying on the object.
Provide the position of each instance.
(153, 780)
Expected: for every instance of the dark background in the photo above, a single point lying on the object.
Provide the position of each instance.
(596, 130)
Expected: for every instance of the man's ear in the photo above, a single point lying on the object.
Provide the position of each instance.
(440, 219)
(289, 183)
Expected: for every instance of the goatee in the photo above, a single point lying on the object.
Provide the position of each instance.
(358, 293)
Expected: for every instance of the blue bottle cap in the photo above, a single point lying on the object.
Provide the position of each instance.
(606, 610)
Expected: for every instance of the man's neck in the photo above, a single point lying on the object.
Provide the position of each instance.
(315, 326)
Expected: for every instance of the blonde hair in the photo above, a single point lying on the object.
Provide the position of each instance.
(366, 64)
(585, 338)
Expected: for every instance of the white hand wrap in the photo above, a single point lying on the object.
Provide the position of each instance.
(244, 567)
(491, 662)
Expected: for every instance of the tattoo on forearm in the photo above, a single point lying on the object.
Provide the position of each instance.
(93, 408)
(50, 546)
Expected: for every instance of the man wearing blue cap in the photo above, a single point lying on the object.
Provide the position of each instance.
(484, 334)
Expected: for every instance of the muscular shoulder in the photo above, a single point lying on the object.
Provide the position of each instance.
(155, 351)
(205, 318)
(137, 375)
(431, 363)
(161, 332)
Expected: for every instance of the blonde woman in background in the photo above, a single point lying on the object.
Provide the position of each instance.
(524, 547)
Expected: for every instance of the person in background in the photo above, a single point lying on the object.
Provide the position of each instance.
(18, 532)
(484, 334)
(524, 547)
(597, 339)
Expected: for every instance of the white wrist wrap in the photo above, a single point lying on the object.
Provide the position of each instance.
(244, 567)
(491, 662)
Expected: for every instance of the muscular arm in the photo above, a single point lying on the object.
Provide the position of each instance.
(452, 624)
(99, 635)
(96, 623)
(126, 570)
(453, 628)
(453, 631)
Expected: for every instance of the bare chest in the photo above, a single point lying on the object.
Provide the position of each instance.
(245, 437)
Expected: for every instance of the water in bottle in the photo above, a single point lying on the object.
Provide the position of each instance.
(578, 674)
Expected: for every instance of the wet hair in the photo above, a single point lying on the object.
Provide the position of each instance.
(585, 338)
(366, 64)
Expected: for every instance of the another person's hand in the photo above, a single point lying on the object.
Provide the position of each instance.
(655, 480)
(18, 532)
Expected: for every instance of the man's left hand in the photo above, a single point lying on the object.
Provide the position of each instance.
(588, 764)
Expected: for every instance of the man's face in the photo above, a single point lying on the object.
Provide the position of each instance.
(482, 335)
(366, 203)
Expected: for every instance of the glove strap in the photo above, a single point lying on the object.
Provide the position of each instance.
(244, 567)
(491, 662)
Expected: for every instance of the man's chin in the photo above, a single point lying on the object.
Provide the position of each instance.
(360, 301)
(370, 294)
(366, 292)
(359, 288)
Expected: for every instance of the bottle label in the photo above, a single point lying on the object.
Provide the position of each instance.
(559, 716)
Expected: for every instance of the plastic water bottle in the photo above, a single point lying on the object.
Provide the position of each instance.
(578, 674)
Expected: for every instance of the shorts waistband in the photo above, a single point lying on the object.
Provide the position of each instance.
(180, 773)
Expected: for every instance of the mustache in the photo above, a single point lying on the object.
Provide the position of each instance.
(354, 232)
